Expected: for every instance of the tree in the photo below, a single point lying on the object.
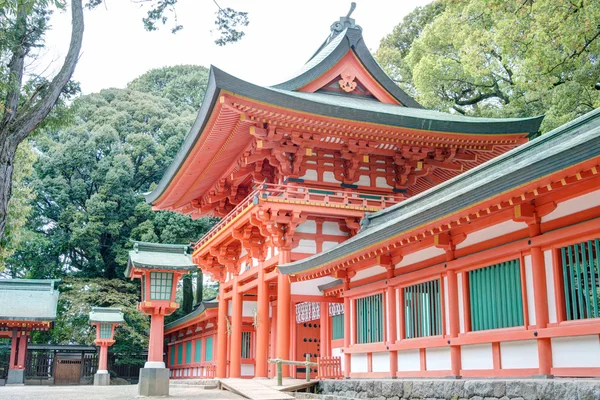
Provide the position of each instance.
(504, 58)
(188, 294)
(23, 25)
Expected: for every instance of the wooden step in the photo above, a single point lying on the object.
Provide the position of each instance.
(252, 389)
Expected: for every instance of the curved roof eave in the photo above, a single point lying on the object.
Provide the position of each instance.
(351, 38)
(565, 146)
(339, 107)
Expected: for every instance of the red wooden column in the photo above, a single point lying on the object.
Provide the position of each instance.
(347, 317)
(262, 329)
(22, 357)
(453, 316)
(14, 346)
(222, 335)
(541, 308)
(235, 368)
(392, 330)
(283, 312)
(324, 329)
(156, 341)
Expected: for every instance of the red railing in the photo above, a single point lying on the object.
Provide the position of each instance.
(330, 368)
(335, 198)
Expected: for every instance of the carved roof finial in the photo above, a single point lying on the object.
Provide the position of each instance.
(352, 7)
(344, 22)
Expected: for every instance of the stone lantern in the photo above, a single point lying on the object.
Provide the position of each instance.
(159, 267)
(105, 320)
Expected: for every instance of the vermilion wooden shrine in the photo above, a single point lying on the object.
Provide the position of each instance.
(315, 179)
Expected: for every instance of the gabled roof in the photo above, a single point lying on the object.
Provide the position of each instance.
(106, 314)
(28, 299)
(202, 307)
(565, 146)
(345, 36)
(160, 256)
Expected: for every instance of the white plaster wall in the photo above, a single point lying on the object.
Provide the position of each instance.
(307, 227)
(446, 306)
(311, 287)
(461, 303)
(329, 177)
(477, 356)
(337, 352)
(243, 252)
(359, 362)
(209, 325)
(576, 351)
(438, 359)
(332, 228)
(381, 362)
(409, 360)
(529, 286)
(380, 182)
(328, 245)
(551, 295)
(364, 180)
(310, 175)
(422, 255)
(229, 305)
(247, 369)
(519, 354)
(255, 262)
(365, 273)
(306, 246)
(495, 231)
(269, 253)
(248, 308)
(574, 205)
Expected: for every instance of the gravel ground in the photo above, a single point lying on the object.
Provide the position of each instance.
(107, 392)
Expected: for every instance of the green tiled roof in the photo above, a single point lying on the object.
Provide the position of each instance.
(197, 312)
(105, 314)
(28, 299)
(160, 256)
(565, 146)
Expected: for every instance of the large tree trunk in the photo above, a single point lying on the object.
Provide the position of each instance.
(199, 286)
(16, 124)
(188, 294)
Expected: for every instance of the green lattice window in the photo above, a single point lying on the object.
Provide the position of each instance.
(179, 353)
(209, 348)
(161, 284)
(423, 310)
(198, 354)
(580, 267)
(188, 352)
(172, 355)
(337, 325)
(496, 297)
(246, 337)
(369, 316)
(105, 331)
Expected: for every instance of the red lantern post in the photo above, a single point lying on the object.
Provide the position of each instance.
(105, 320)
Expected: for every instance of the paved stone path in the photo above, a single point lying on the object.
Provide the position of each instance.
(182, 392)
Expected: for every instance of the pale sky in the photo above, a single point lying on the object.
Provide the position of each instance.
(282, 35)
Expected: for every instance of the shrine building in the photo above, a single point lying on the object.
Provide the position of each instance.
(362, 229)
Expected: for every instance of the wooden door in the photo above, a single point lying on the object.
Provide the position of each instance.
(67, 371)
(307, 342)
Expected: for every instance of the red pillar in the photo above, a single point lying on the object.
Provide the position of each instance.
(283, 312)
(541, 308)
(235, 368)
(103, 359)
(155, 345)
(453, 316)
(14, 346)
(22, 358)
(393, 334)
(324, 329)
(347, 317)
(262, 329)
(222, 335)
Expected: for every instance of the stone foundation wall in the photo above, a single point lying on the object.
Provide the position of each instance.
(400, 389)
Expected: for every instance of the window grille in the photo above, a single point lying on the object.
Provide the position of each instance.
(580, 263)
(369, 315)
(496, 297)
(161, 284)
(246, 337)
(179, 353)
(423, 310)
(209, 348)
(105, 331)
(337, 323)
(188, 352)
(198, 350)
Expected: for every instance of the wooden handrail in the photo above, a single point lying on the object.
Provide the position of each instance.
(279, 362)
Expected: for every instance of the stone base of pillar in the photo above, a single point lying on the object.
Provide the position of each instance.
(154, 382)
(101, 378)
(15, 377)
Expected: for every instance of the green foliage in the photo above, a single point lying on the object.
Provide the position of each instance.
(499, 58)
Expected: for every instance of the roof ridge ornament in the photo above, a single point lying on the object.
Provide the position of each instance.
(344, 23)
